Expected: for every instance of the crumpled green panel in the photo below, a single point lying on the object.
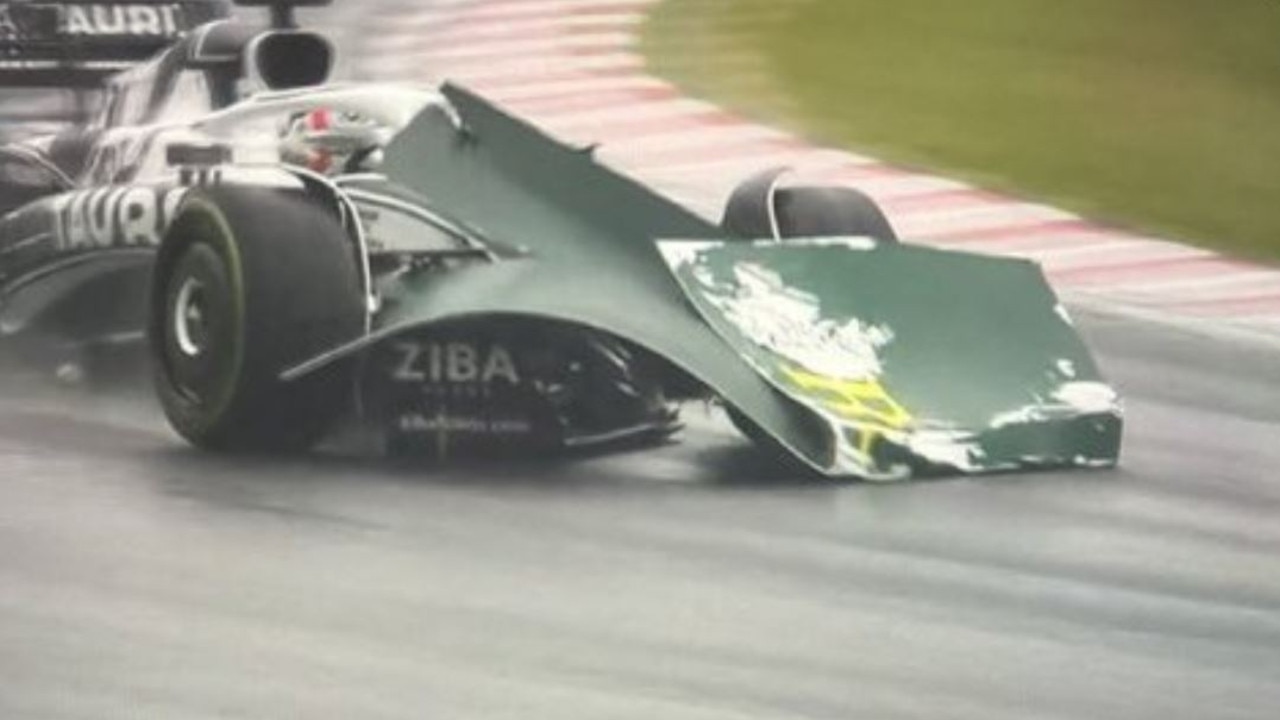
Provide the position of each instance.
(909, 354)
(974, 343)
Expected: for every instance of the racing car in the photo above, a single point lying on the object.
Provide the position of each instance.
(294, 252)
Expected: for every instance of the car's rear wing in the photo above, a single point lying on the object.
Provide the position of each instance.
(78, 43)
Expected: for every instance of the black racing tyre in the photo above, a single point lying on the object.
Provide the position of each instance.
(249, 282)
(830, 211)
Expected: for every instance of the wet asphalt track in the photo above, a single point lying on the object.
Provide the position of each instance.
(142, 579)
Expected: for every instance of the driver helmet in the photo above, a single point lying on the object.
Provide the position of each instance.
(331, 142)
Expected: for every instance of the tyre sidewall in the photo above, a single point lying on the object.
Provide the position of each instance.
(291, 270)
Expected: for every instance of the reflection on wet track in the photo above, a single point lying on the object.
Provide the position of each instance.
(139, 578)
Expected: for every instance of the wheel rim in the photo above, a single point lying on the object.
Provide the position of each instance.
(190, 318)
(201, 329)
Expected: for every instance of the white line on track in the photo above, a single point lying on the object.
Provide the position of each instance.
(504, 11)
(538, 28)
(1107, 255)
(445, 31)
(500, 50)
(1269, 320)
(1024, 245)
(888, 189)
(621, 114)
(577, 86)
(511, 68)
(1226, 282)
(733, 164)
(1064, 253)
(701, 138)
(804, 165)
(978, 216)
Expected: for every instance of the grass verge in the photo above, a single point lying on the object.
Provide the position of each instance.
(1161, 115)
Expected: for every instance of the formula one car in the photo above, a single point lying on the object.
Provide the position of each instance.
(294, 252)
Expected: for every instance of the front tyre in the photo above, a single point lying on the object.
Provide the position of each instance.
(249, 282)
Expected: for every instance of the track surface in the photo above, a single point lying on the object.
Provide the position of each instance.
(141, 579)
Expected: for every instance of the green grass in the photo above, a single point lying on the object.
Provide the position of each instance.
(1161, 115)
